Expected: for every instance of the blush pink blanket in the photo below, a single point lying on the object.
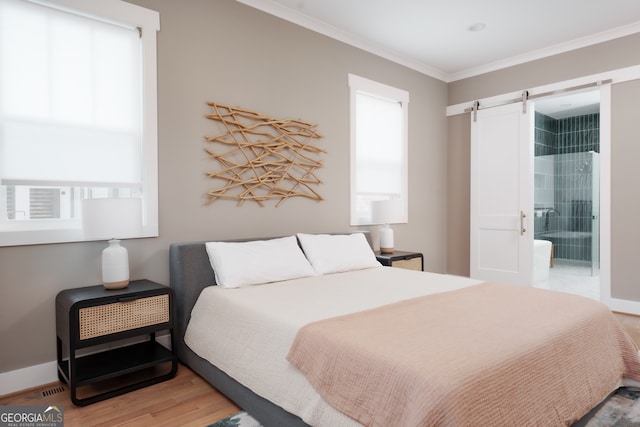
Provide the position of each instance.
(490, 354)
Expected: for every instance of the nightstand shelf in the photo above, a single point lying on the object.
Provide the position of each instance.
(120, 361)
(93, 318)
(402, 259)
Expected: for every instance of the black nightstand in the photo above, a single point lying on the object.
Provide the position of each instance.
(98, 317)
(400, 259)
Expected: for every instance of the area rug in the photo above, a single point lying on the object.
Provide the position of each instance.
(241, 419)
(621, 409)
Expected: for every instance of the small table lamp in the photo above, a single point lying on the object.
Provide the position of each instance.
(113, 219)
(386, 212)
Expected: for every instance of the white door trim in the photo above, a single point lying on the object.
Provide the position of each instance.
(616, 76)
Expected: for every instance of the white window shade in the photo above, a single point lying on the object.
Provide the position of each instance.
(71, 98)
(69, 155)
(379, 171)
(378, 145)
(78, 114)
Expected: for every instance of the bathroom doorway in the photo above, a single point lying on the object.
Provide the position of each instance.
(567, 190)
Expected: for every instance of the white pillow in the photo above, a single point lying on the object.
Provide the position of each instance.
(334, 253)
(238, 264)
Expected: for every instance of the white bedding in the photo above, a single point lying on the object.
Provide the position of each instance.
(247, 332)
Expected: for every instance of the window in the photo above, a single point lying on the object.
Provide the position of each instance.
(378, 147)
(77, 114)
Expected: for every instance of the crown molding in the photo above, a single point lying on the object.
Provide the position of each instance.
(295, 17)
(615, 76)
(298, 18)
(548, 51)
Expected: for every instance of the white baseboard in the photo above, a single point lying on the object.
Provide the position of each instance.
(29, 377)
(38, 375)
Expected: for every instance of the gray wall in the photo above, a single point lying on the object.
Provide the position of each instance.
(458, 200)
(229, 53)
(625, 148)
(625, 191)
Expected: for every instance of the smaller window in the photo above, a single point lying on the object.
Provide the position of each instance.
(379, 121)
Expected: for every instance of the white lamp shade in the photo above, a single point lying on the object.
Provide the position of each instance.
(112, 219)
(386, 211)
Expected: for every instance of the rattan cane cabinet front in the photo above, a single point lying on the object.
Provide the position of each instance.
(106, 339)
(401, 259)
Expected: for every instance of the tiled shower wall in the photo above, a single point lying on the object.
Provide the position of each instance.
(563, 182)
(571, 135)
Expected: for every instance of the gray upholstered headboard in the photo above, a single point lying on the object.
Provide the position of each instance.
(190, 272)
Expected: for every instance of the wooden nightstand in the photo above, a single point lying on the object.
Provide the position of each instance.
(400, 259)
(94, 321)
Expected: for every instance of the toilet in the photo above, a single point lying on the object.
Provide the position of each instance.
(541, 260)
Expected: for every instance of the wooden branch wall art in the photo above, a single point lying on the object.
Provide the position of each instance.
(262, 158)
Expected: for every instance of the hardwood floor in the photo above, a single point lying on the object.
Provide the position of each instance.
(186, 400)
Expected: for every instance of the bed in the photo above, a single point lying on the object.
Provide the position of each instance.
(259, 344)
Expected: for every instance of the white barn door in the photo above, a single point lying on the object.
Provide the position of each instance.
(501, 223)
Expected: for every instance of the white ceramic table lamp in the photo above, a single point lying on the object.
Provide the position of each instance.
(386, 212)
(113, 219)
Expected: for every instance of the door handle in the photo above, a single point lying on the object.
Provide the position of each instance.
(523, 216)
